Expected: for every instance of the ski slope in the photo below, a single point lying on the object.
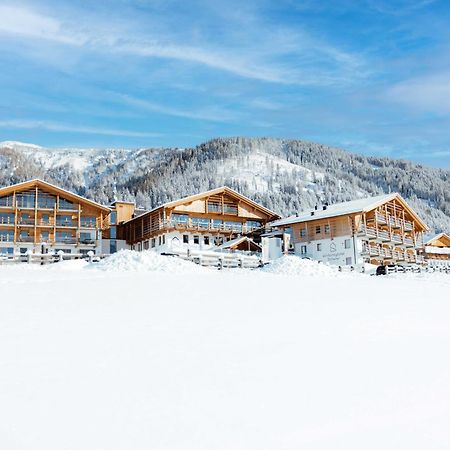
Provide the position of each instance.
(118, 358)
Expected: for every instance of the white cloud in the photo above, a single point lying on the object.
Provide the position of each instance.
(58, 127)
(429, 93)
(256, 53)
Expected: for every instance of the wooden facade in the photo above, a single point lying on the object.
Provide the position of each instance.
(220, 212)
(389, 231)
(37, 213)
(437, 249)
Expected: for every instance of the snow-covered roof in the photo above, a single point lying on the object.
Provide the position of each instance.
(236, 241)
(443, 236)
(345, 208)
(39, 182)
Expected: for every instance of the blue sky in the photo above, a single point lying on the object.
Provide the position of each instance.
(371, 76)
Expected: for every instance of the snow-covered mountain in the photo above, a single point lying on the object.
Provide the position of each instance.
(285, 175)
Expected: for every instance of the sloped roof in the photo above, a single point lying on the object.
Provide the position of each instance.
(443, 236)
(237, 241)
(223, 189)
(44, 184)
(345, 208)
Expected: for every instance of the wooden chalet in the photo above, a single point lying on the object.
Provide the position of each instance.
(437, 251)
(382, 229)
(36, 215)
(209, 219)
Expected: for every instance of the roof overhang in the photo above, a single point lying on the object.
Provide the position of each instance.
(44, 184)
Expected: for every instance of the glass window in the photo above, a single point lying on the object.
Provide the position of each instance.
(64, 221)
(164, 239)
(327, 228)
(46, 201)
(348, 261)
(347, 244)
(88, 221)
(113, 218)
(44, 236)
(66, 204)
(302, 232)
(153, 242)
(6, 236)
(319, 247)
(200, 222)
(318, 229)
(230, 209)
(214, 207)
(25, 199)
(7, 218)
(196, 239)
(303, 249)
(231, 225)
(6, 201)
(146, 245)
(206, 240)
(252, 224)
(6, 250)
(185, 239)
(179, 218)
(216, 223)
(113, 232)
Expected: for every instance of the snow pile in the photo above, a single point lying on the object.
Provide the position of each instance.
(128, 260)
(295, 266)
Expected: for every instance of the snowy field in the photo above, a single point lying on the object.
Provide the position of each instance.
(151, 353)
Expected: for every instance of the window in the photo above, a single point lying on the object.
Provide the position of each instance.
(253, 224)
(64, 236)
(25, 200)
(302, 232)
(303, 250)
(45, 219)
(196, 239)
(206, 240)
(159, 240)
(319, 247)
(46, 201)
(6, 236)
(88, 221)
(64, 250)
(216, 223)
(66, 204)
(153, 242)
(113, 232)
(139, 246)
(112, 246)
(318, 229)
(113, 218)
(6, 218)
(200, 222)
(327, 228)
(44, 236)
(230, 209)
(348, 261)
(164, 239)
(347, 244)
(180, 218)
(214, 207)
(6, 201)
(232, 225)
(6, 250)
(64, 221)
(185, 239)
(146, 245)
(86, 238)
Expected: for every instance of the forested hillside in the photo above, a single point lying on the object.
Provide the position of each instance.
(285, 175)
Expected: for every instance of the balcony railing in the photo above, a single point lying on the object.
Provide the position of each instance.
(65, 240)
(6, 238)
(25, 239)
(7, 221)
(65, 224)
(26, 221)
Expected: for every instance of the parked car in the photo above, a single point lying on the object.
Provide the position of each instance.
(381, 270)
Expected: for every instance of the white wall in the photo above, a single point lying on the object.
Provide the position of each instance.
(333, 251)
